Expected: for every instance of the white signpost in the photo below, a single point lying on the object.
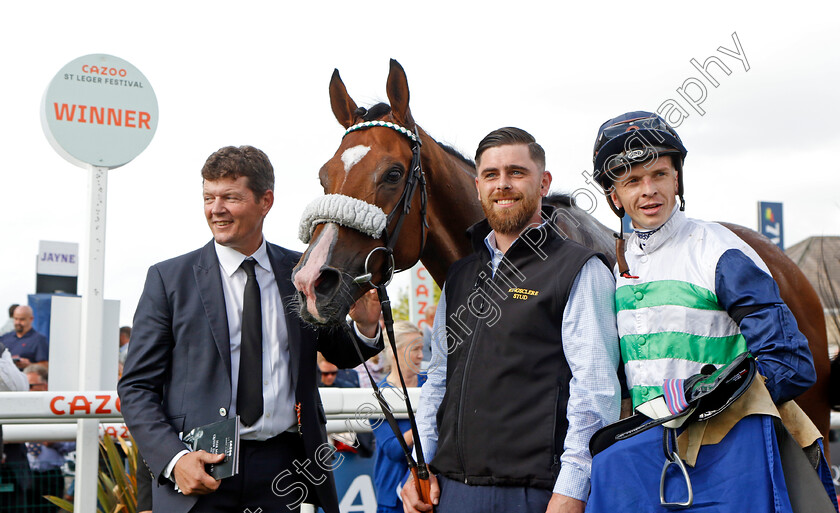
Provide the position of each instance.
(99, 112)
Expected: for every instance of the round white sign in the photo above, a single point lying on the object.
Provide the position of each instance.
(99, 110)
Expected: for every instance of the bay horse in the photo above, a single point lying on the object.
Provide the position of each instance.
(369, 172)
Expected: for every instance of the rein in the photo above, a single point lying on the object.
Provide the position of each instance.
(414, 180)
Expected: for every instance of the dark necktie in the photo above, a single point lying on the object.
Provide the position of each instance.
(249, 397)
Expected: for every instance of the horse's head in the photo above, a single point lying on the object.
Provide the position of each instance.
(363, 209)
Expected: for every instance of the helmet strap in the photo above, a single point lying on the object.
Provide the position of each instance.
(678, 165)
(623, 268)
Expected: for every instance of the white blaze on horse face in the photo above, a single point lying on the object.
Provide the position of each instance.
(307, 276)
(352, 156)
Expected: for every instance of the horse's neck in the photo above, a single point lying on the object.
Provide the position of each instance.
(452, 208)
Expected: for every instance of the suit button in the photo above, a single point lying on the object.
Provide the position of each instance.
(222, 412)
(645, 392)
(639, 295)
(642, 341)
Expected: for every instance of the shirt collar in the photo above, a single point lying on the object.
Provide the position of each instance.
(490, 240)
(230, 259)
(660, 235)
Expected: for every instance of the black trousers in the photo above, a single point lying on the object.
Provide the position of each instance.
(47, 482)
(267, 481)
(15, 480)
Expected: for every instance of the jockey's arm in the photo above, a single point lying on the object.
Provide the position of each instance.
(751, 296)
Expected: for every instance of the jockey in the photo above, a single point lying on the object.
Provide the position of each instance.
(690, 293)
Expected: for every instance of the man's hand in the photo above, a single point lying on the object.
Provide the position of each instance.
(21, 363)
(562, 504)
(411, 499)
(365, 312)
(190, 475)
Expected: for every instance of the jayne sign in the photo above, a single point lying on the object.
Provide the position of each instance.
(99, 110)
(58, 258)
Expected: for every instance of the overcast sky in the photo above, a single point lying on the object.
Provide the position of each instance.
(257, 73)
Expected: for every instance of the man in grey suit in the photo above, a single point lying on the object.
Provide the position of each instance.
(215, 336)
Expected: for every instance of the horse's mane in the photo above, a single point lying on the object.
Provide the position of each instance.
(558, 199)
(382, 109)
(457, 154)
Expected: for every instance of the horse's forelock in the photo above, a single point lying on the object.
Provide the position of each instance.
(377, 111)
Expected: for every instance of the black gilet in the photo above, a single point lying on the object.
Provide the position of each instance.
(502, 420)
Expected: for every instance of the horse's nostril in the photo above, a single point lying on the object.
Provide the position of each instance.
(327, 282)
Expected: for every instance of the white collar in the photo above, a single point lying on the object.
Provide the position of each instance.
(230, 259)
(490, 240)
(662, 234)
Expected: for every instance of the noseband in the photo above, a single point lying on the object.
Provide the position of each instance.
(367, 218)
(372, 221)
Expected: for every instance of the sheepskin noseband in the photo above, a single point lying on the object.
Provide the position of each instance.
(345, 211)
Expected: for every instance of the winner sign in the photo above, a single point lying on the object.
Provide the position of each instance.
(99, 110)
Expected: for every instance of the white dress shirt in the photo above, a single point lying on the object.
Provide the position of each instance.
(278, 396)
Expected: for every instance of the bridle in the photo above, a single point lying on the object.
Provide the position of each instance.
(414, 180)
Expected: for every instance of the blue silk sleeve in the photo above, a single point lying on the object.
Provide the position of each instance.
(751, 297)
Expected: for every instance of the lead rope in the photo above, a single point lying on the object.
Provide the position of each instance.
(383, 404)
(418, 468)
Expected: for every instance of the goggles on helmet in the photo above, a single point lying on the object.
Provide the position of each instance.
(643, 123)
(616, 167)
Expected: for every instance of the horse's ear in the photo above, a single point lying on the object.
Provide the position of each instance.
(397, 88)
(342, 105)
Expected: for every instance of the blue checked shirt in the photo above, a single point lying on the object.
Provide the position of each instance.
(590, 343)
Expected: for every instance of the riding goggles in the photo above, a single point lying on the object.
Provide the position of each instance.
(642, 123)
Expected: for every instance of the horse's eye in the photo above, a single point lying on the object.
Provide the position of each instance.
(393, 175)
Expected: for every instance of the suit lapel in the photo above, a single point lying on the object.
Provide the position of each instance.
(209, 283)
(282, 266)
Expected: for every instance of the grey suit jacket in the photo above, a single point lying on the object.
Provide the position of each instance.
(177, 374)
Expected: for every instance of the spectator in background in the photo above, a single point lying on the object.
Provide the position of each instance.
(125, 336)
(427, 331)
(330, 375)
(26, 344)
(9, 325)
(390, 466)
(378, 365)
(13, 467)
(45, 458)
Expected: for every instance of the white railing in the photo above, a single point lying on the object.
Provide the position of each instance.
(52, 416)
(37, 416)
